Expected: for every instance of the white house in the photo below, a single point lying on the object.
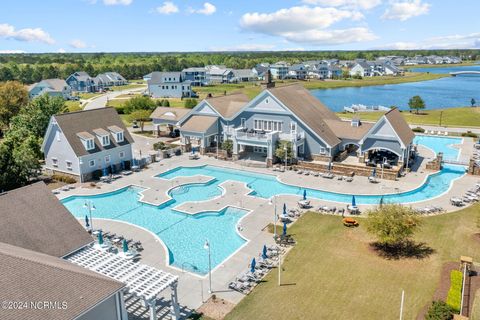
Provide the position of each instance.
(169, 85)
(52, 87)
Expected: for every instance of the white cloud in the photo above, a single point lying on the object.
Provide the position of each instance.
(27, 34)
(207, 9)
(77, 44)
(117, 2)
(245, 47)
(308, 25)
(467, 41)
(404, 10)
(167, 7)
(11, 51)
(61, 50)
(358, 4)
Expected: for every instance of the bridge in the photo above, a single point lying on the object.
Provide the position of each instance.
(457, 73)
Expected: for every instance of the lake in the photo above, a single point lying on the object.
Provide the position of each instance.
(441, 93)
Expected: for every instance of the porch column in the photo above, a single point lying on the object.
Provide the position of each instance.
(153, 309)
(174, 309)
(123, 308)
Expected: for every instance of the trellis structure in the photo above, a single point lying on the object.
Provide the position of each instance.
(141, 281)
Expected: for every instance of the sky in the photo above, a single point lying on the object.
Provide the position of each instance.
(236, 25)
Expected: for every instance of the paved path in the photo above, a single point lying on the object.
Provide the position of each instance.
(101, 101)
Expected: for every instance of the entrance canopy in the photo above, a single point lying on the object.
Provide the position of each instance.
(205, 125)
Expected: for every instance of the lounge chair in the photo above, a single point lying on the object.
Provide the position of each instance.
(300, 172)
(347, 179)
(372, 179)
(315, 174)
(445, 133)
(307, 173)
(126, 172)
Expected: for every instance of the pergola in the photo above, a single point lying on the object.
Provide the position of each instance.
(141, 281)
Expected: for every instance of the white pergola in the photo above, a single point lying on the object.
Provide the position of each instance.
(141, 281)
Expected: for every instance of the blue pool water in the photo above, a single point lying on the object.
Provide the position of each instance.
(184, 235)
(441, 93)
(440, 144)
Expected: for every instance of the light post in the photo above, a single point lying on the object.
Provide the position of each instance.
(90, 206)
(383, 165)
(286, 153)
(206, 246)
(279, 269)
(274, 202)
(217, 138)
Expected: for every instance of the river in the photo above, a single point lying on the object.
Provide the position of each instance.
(441, 93)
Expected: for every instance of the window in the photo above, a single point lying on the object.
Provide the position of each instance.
(121, 154)
(91, 163)
(267, 125)
(293, 127)
(57, 135)
(69, 164)
(119, 136)
(301, 149)
(242, 122)
(107, 158)
(267, 101)
(260, 150)
(105, 140)
(322, 150)
(55, 162)
(89, 144)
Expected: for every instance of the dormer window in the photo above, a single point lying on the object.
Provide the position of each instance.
(105, 140)
(90, 144)
(119, 136)
(103, 136)
(87, 140)
(117, 133)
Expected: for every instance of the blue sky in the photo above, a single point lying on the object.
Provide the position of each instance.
(217, 25)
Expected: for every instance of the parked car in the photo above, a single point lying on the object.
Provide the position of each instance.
(74, 98)
(135, 125)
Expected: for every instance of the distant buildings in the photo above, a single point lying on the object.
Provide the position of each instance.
(169, 85)
(87, 143)
(52, 87)
(81, 81)
(364, 68)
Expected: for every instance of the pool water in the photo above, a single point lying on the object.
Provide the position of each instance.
(184, 235)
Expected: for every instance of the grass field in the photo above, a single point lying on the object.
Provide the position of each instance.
(453, 117)
(333, 274)
(128, 86)
(89, 95)
(73, 106)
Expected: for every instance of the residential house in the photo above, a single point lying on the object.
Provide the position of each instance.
(37, 234)
(87, 144)
(196, 75)
(109, 79)
(279, 70)
(290, 113)
(147, 77)
(169, 85)
(244, 75)
(81, 82)
(298, 71)
(219, 74)
(51, 87)
(334, 72)
(261, 70)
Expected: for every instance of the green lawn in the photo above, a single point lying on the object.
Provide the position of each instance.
(128, 86)
(89, 95)
(73, 106)
(333, 274)
(453, 117)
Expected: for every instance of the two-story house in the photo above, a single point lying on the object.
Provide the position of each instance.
(217, 74)
(86, 144)
(279, 70)
(196, 75)
(52, 87)
(169, 85)
(109, 79)
(80, 81)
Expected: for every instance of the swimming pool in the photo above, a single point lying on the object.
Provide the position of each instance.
(183, 234)
(440, 144)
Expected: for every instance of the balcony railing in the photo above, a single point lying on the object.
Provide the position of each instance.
(252, 136)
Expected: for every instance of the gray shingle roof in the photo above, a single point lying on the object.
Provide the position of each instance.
(31, 276)
(168, 113)
(199, 123)
(32, 218)
(74, 123)
(227, 106)
(400, 126)
(159, 77)
(56, 84)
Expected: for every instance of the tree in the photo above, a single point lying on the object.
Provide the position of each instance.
(165, 103)
(139, 103)
(473, 102)
(439, 310)
(392, 224)
(13, 96)
(141, 116)
(280, 150)
(190, 103)
(227, 145)
(416, 103)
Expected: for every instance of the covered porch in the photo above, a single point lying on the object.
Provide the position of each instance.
(199, 133)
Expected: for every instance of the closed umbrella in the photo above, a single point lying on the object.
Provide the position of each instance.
(105, 172)
(284, 209)
(329, 165)
(284, 228)
(125, 246)
(252, 265)
(304, 194)
(264, 252)
(112, 169)
(381, 202)
(374, 172)
(87, 222)
(100, 238)
(123, 165)
(354, 202)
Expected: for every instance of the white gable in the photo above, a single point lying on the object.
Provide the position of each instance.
(205, 108)
(266, 103)
(383, 129)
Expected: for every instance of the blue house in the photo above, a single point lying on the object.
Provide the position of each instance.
(81, 82)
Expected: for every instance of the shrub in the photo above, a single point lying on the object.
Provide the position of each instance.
(139, 103)
(63, 178)
(120, 109)
(159, 146)
(469, 134)
(454, 296)
(418, 129)
(439, 310)
(190, 103)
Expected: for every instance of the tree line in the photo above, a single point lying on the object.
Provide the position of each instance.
(30, 68)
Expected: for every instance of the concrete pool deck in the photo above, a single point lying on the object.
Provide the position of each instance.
(253, 226)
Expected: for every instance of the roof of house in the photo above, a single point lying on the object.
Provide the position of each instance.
(170, 114)
(345, 130)
(81, 76)
(33, 218)
(400, 126)
(198, 123)
(195, 69)
(159, 77)
(308, 109)
(56, 84)
(227, 106)
(219, 71)
(244, 73)
(32, 276)
(74, 123)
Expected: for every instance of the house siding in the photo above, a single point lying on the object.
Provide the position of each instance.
(107, 310)
(57, 146)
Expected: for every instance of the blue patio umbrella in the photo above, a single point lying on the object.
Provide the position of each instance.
(304, 194)
(122, 164)
(87, 222)
(284, 228)
(264, 252)
(112, 169)
(252, 265)
(354, 203)
(100, 238)
(125, 246)
(193, 150)
(374, 172)
(105, 172)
